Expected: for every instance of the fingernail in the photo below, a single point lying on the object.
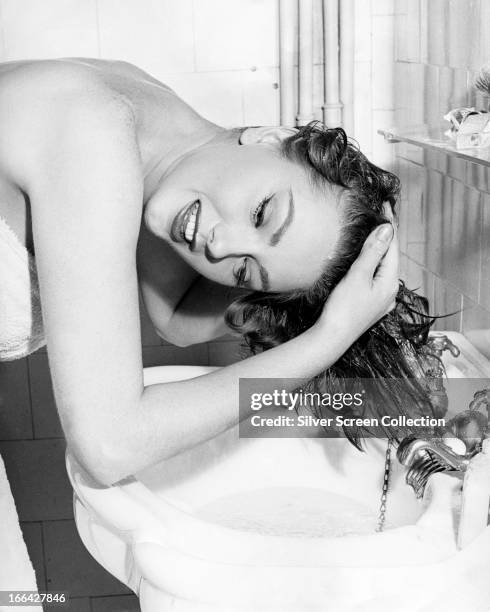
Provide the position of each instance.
(384, 232)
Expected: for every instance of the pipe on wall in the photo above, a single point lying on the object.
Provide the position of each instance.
(287, 34)
(347, 16)
(332, 106)
(305, 109)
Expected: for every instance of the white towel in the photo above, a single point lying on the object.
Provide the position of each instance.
(21, 324)
(16, 571)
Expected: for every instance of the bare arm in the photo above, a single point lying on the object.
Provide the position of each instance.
(85, 186)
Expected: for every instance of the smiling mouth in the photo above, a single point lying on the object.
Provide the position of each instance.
(186, 223)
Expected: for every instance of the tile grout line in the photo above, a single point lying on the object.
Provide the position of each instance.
(34, 439)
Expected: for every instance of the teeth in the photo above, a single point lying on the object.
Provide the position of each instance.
(191, 224)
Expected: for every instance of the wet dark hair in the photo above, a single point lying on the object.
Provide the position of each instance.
(394, 347)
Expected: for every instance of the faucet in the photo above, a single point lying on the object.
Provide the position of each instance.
(423, 456)
(434, 372)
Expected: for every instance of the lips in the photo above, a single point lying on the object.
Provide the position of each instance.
(186, 223)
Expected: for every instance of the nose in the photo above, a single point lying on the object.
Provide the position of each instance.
(226, 241)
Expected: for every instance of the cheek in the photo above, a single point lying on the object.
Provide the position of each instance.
(220, 272)
(294, 270)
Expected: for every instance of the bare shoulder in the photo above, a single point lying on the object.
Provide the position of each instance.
(42, 100)
(49, 79)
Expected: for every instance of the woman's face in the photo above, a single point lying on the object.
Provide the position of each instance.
(242, 215)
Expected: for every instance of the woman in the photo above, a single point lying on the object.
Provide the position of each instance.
(117, 173)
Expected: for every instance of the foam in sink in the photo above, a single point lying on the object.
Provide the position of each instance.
(291, 511)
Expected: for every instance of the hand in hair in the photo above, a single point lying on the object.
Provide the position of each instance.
(368, 290)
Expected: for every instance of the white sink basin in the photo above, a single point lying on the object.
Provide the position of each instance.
(277, 524)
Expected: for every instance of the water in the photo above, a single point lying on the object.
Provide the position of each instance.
(291, 511)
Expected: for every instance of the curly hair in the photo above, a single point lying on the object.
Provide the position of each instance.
(394, 347)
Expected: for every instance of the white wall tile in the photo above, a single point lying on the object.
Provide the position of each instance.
(431, 95)
(419, 279)
(484, 296)
(465, 33)
(460, 240)
(362, 30)
(58, 28)
(416, 94)
(363, 106)
(218, 96)
(424, 31)
(235, 34)
(401, 38)
(401, 7)
(484, 17)
(384, 7)
(382, 151)
(383, 62)
(261, 96)
(437, 34)
(447, 300)
(402, 87)
(156, 35)
(413, 31)
(3, 55)
(476, 325)
(452, 89)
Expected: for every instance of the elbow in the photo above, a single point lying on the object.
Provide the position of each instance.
(182, 342)
(99, 458)
(177, 339)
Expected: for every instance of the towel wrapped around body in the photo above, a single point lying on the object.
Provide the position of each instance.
(21, 324)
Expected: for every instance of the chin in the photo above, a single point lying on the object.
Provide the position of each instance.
(155, 224)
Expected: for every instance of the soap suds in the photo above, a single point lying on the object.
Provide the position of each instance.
(291, 511)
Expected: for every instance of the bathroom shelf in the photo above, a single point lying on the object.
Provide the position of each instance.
(434, 139)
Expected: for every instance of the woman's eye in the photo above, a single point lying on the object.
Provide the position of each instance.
(242, 274)
(259, 212)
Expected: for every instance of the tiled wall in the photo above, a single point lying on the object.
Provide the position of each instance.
(220, 55)
(445, 210)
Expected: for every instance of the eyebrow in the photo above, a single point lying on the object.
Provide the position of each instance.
(264, 278)
(275, 238)
(278, 234)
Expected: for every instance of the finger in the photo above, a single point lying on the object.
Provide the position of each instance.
(386, 278)
(388, 212)
(373, 250)
(388, 267)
